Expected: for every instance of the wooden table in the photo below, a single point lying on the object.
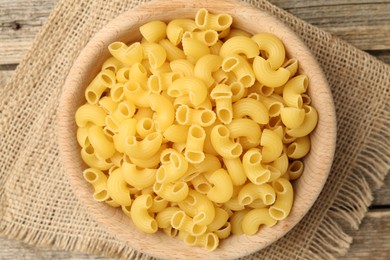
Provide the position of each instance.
(363, 23)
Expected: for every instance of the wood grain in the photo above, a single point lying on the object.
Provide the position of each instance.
(372, 240)
(356, 21)
(364, 23)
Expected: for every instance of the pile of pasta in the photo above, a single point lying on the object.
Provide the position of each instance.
(197, 130)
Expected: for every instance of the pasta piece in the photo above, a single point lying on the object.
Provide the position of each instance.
(267, 76)
(112, 64)
(173, 52)
(176, 133)
(90, 114)
(236, 221)
(174, 192)
(194, 49)
(103, 147)
(254, 218)
(125, 129)
(239, 45)
(173, 168)
(238, 91)
(126, 54)
(218, 22)
(281, 163)
(140, 216)
(295, 170)
(201, 184)
(104, 80)
(123, 75)
(222, 189)
(225, 231)
(299, 148)
(177, 27)
(188, 116)
(272, 146)
(205, 66)
(273, 47)
(145, 148)
(221, 217)
(191, 86)
(145, 126)
(214, 49)
(163, 218)
(220, 139)
(139, 178)
(293, 89)
(185, 67)
(138, 73)
(155, 53)
(182, 222)
(236, 171)
(89, 157)
(99, 182)
(209, 165)
(153, 31)
(82, 137)
(241, 69)
(208, 37)
(251, 108)
(165, 113)
(253, 168)
(117, 92)
(243, 127)
(135, 93)
(308, 125)
(125, 110)
(209, 241)
(292, 117)
(199, 207)
(194, 147)
(191, 173)
(108, 104)
(292, 66)
(284, 199)
(150, 162)
(251, 192)
(159, 204)
(117, 188)
(222, 95)
(237, 32)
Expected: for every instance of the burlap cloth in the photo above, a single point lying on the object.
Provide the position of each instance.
(38, 206)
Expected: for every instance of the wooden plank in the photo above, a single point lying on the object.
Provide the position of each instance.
(20, 21)
(363, 23)
(372, 240)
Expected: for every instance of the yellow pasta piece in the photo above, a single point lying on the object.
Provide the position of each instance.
(206, 20)
(254, 218)
(117, 188)
(284, 199)
(138, 178)
(140, 215)
(153, 31)
(222, 143)
(267, 76)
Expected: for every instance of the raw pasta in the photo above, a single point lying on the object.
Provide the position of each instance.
(197, 129)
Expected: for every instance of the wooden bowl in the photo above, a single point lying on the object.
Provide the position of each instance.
(125, 28)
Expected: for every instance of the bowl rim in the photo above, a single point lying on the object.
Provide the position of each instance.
(87, 57)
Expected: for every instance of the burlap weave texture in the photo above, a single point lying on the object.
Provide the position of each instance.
(38, 206)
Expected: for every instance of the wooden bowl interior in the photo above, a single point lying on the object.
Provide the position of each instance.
(125, 28)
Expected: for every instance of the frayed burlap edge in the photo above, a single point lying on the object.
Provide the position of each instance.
(331, 239)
